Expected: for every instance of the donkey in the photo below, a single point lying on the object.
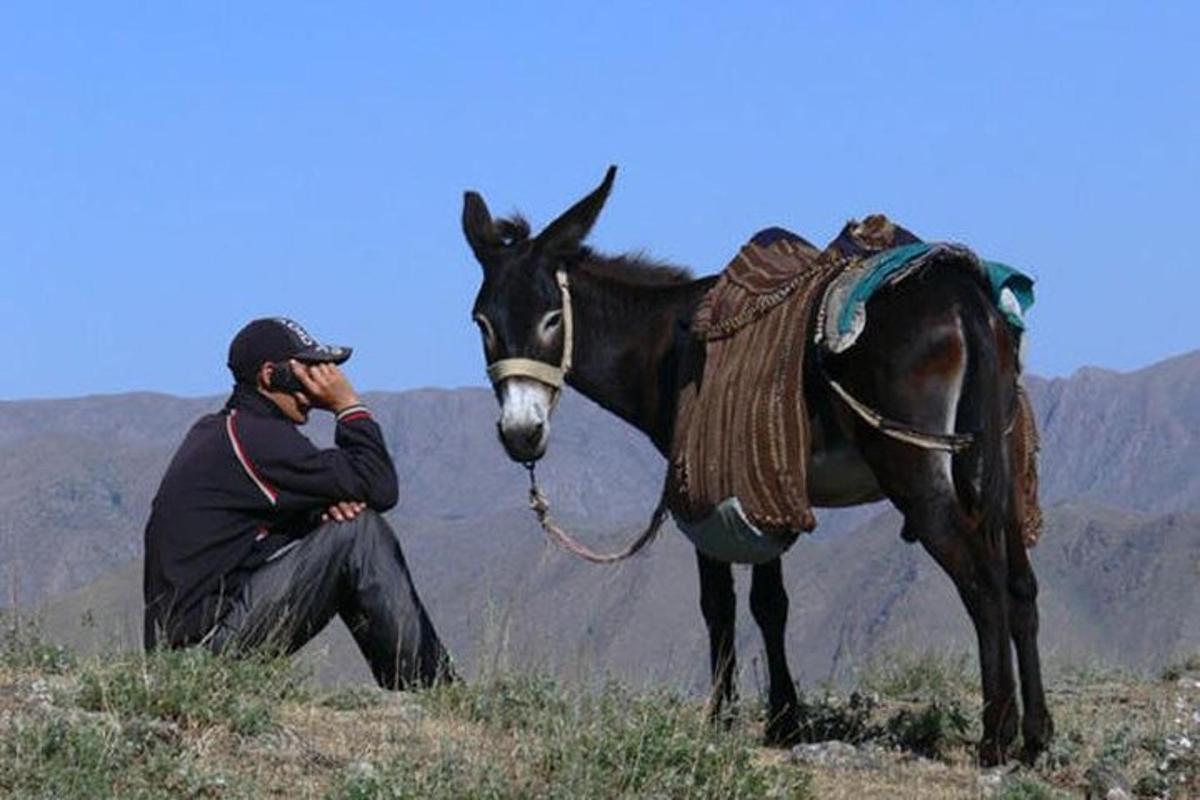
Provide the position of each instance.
(936, 355)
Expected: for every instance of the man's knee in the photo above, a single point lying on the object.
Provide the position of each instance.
(371, 524)
(368, 530)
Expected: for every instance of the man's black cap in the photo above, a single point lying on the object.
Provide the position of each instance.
(277, 339)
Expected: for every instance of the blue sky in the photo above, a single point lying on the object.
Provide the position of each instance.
(171, 170)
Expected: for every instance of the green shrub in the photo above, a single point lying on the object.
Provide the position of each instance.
(191, 688)
(930, 731)
(87, 758)
(829, 716)
(1065, 749)
(1152, 784)
(1183, 666)
(1119, 746)
(928, 674)
(1026, 787)
(22, 647)
(352, 698)
(505, 703)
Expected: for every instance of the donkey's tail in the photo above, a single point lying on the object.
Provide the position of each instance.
(982, 478)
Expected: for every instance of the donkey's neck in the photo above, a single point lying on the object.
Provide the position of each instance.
(629, 340)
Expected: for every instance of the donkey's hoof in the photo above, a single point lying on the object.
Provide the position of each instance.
(1036, 738)
(991, 754)
(784, 730)
(723, 716)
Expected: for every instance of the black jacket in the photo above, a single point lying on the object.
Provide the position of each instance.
(243, 483)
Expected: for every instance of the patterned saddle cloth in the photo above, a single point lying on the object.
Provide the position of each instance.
(741, 430)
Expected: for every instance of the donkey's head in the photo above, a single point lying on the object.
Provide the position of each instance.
(523, 311)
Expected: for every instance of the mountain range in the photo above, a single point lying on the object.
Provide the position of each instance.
(1119, 561)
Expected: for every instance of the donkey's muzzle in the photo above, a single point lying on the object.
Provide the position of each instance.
(524, 425)
(524, 443)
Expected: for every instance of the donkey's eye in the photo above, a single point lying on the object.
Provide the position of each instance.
(550, 322)
(485, 330)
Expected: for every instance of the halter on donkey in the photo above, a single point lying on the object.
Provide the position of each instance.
(936, 355)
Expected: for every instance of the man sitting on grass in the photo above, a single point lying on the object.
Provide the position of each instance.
(257, 537)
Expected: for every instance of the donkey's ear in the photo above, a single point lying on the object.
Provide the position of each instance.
(478, 227)
(570, 229)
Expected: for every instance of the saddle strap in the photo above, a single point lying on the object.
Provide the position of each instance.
(944, 442)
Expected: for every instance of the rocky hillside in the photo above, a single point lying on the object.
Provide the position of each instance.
(1129, 441)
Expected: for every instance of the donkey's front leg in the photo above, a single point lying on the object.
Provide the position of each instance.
(769, 605)
(718, 603)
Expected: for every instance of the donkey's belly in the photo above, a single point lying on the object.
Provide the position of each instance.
(838, 476)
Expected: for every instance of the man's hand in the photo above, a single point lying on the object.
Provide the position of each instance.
(344, 511)
(326, 386)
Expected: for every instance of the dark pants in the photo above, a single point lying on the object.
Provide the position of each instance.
(353, 569)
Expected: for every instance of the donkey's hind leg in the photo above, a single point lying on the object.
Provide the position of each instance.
(936, 358)
(769, 605)
(718, 603)
(981, 580)
(919, 484)
(1037, 727)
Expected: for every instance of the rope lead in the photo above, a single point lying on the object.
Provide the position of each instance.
(541, 509)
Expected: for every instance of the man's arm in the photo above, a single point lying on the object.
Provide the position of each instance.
(300, 475)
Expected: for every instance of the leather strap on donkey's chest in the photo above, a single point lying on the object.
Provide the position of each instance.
(540, 371)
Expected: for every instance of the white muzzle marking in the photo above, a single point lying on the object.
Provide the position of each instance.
(525, 406)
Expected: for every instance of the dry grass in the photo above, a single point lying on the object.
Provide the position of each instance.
(193, 725)
(1145, 729)
(190, 724)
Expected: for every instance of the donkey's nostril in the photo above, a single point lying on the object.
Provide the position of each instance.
(533, 434)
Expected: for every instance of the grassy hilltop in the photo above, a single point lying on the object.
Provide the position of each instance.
(186, 724)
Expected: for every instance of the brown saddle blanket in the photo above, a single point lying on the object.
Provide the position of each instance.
(742, 428)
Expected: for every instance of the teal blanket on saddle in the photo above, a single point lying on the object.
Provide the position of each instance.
(1012, 290)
